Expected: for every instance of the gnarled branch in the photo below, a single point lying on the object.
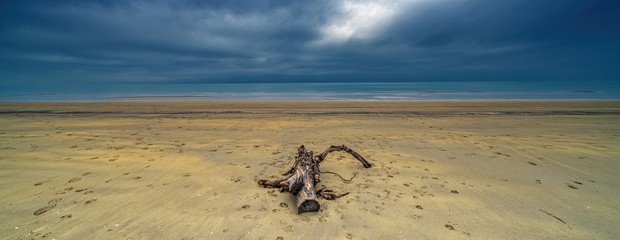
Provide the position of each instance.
(304, 175)
(334, 148)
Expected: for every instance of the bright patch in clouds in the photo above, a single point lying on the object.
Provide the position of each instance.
(361, 19)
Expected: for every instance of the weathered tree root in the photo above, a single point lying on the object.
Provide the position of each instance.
(304, 175)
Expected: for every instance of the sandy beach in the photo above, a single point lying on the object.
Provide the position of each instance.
(188, 170)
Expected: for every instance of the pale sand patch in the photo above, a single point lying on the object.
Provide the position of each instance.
(156, 170)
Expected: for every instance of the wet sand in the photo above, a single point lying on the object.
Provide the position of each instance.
(188, 170)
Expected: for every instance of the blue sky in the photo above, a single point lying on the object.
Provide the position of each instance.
(183, 41)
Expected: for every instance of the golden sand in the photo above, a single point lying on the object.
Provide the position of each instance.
(188, 170)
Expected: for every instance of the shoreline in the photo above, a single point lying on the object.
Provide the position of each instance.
(431, 108)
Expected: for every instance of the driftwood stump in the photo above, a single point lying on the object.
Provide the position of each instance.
(304, 175)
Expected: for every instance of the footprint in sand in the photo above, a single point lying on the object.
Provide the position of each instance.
(50, 205)
(114, 158)
(74, 180)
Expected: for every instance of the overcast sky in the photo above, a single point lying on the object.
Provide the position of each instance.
(106, 41)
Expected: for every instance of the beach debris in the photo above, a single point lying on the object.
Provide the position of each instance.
(557, 218)
(449, 227)
(304, 175)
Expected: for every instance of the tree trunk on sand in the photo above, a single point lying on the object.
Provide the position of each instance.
(304, 175)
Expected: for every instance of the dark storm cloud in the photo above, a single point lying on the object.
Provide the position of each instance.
(511, 37)
(206, 41)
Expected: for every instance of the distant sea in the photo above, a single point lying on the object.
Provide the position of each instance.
(487, 90)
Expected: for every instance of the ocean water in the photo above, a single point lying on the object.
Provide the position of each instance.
(317, 91)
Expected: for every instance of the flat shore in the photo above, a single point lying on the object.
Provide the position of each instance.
(188, 169)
